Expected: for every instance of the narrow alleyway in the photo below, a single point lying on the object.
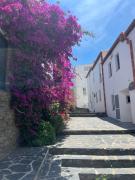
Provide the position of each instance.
(90, 148)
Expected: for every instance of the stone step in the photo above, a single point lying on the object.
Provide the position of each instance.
(97, 142)
(107, 177)
(95, 157)
(82, 115)
(99, 173)
(98, 161)
(97, 132)
(80, 110)
(94, 151)
(75, 114)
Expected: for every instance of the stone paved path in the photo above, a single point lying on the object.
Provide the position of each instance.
(96, 149)
(105, 152)
(98, 141)
(22, 164)
(95, 123)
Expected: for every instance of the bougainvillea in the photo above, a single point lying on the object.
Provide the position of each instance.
(42, 37)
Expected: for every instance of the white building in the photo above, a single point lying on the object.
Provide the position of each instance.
(81, 93)
(119, 77)
(130, 33)
(95, 83)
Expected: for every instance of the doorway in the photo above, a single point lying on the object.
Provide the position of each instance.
(117, 106)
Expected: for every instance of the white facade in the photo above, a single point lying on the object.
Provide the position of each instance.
(117, 84)
(81, 92)
(96, 99)
(112, 89)
(119, 77)
(131, 36)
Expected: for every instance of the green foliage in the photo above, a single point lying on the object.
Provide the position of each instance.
(46, 134)
(55, 107)
(58, 123)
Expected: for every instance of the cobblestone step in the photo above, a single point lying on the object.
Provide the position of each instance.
(95, 157)
(98, 161)
(82, 115)
(107, 177)
(99, 173)
(74, 114)
(98, 124)
(97, 132)
(80, 110)
(97, 142)
(94, 151)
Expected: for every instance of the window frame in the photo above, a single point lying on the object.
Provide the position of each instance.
(110, 69)
(84, 91)
(128, 99)
(113, 102)
(100, 73)
(117, 61)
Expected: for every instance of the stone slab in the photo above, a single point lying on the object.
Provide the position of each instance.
(95, 123)
(123, 141)
(22, 164)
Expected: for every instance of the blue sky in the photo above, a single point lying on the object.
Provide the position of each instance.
(105, 18)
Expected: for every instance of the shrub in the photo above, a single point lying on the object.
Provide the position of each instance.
(46, 134)
(54, 108)
(58, 123)
(42, 37)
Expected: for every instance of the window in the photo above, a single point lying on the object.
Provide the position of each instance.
(128, 100)
(117, 61)
(93, 77)
(100, 73)
(113, 102)
(96, 98)
(110, 69)
(84, 91)
(100, 98)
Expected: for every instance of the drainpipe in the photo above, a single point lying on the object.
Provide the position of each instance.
(103, 82)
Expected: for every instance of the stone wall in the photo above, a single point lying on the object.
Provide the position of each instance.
(8, 130)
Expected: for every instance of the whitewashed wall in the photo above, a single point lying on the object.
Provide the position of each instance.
(119, 82)
(91, 102)
(132, 95)
(131, 36)
(80, 83)
(95, 89)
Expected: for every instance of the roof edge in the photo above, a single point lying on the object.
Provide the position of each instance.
(95, 62)
(121, 37)
(130, 28)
